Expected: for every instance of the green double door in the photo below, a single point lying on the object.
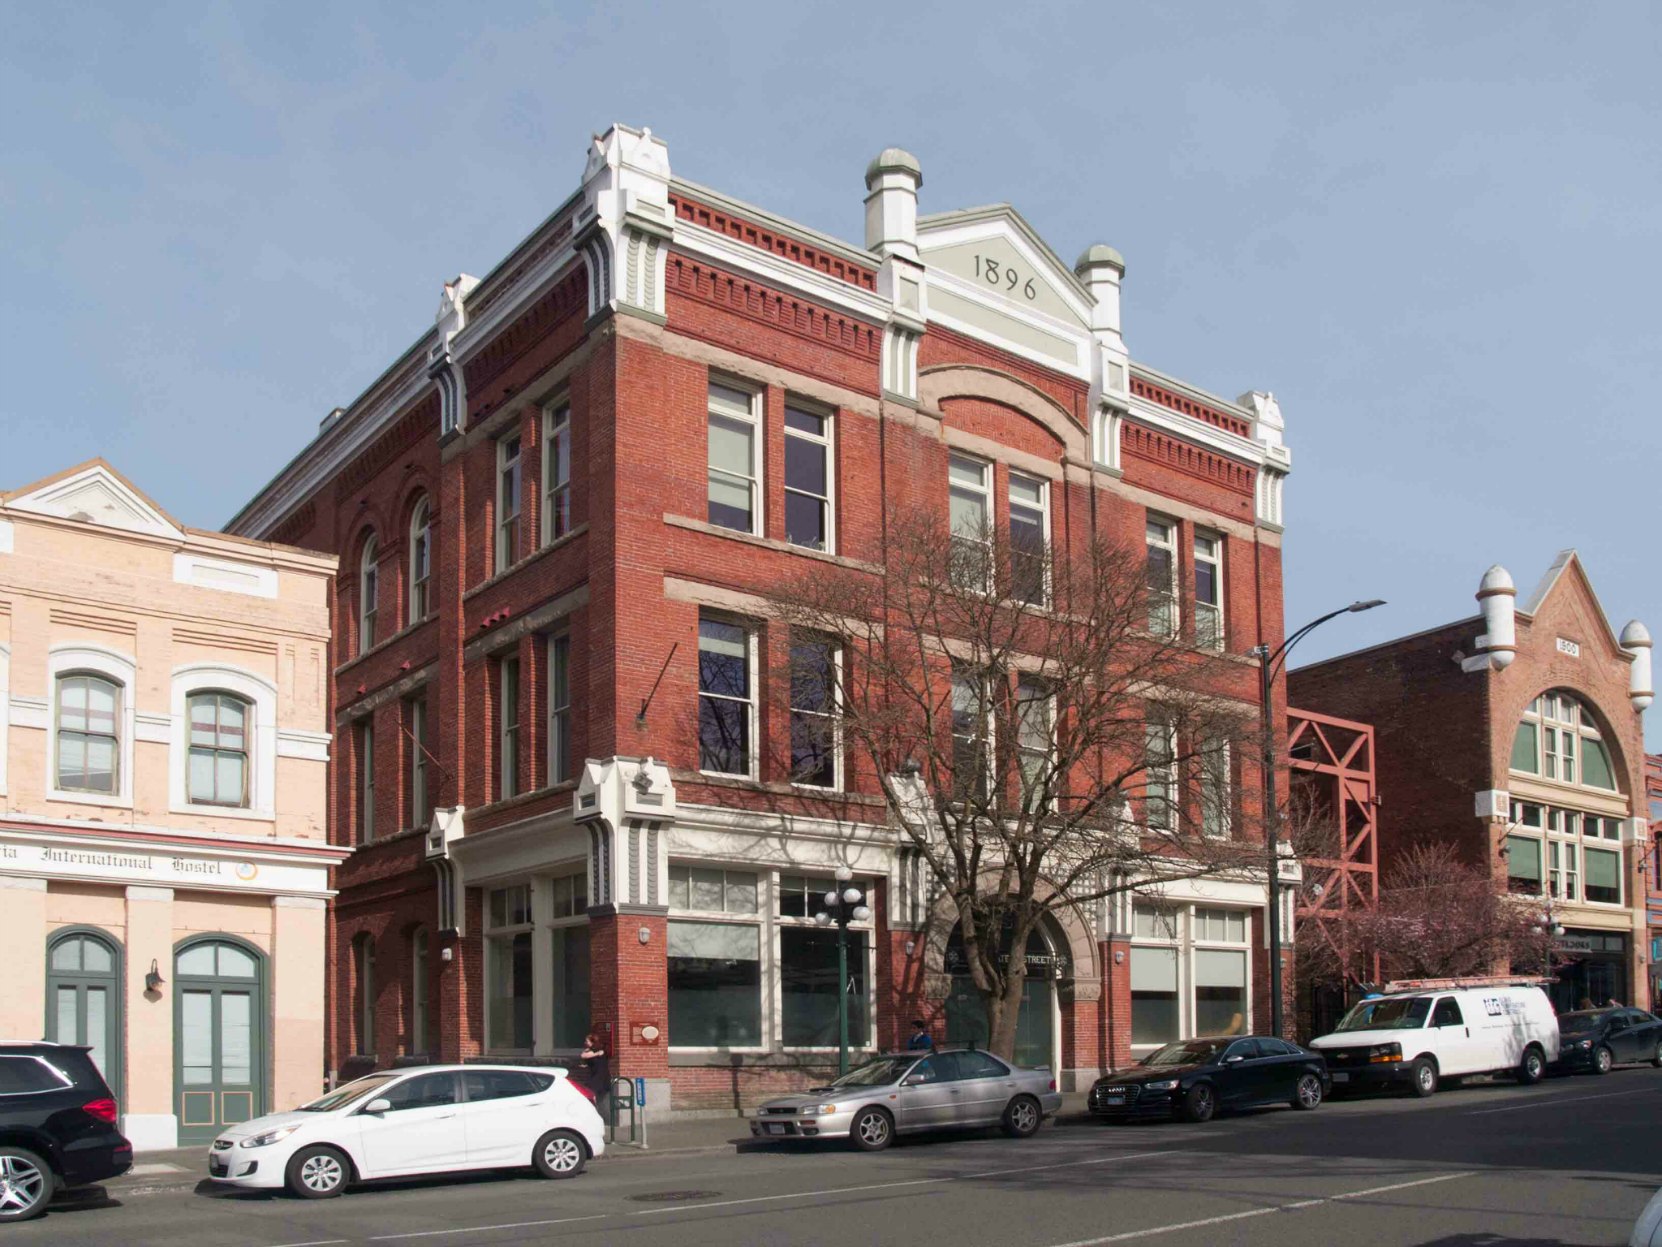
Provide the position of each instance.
(83, 999)
(218, 1038)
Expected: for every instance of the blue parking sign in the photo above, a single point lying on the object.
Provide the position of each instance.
(640, 1092)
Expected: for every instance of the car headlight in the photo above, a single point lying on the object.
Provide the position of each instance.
(1585, 1043)
(1165, 1084)
(267, 1137)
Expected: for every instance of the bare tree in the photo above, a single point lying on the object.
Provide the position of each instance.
(1036, 730)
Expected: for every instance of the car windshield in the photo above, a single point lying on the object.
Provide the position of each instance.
(876, 1073)
(1389, 1013)
(340, 1097)
(1190, 1052)
(1576, 1023)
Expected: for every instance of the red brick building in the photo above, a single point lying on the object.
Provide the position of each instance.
(1653, 875)
(564, 506)
(1517, 736)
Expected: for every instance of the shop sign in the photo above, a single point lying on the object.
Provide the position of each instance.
(185, 870)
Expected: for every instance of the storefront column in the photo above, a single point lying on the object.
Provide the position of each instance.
(298, 933)
(23, 968)
(629, 992)
(149, 1120)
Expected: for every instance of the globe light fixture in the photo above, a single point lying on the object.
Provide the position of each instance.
(843, 904)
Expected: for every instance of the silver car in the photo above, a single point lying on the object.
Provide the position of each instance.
(908, 1092)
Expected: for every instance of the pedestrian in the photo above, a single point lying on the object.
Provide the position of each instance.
(596, 1070)
(920, 1040)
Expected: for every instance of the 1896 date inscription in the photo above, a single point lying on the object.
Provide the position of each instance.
(1005, 276)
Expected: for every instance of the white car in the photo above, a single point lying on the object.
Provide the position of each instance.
(430, 1119)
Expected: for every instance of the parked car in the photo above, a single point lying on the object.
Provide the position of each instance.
(1419, 1038)
(57, 1126)
(432, 1119)
(1647, 1230)
(1597, 1039)
(907, 1092)
(1196, 1078)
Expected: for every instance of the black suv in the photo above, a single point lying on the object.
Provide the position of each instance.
(57, 1126)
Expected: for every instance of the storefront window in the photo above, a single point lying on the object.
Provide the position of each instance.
(508, 970)
(808, 987)
(1188, 972)
(1154, 1013)
(715, 985)
(1220, 992)
(571, 985)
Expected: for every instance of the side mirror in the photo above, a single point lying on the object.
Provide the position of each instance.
(913, 1080)
(378, 1106)
(1230, 1060)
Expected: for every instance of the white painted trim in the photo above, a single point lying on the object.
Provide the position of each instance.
(30, 712)
(939, 231)
(320, 850)
(225, 576)
(261, 695)
(5, 537)
(58, 497)
(1069, 335)
(1200, 433)
(5, 710)
(698, 241)
(112, 665)
(293, 742)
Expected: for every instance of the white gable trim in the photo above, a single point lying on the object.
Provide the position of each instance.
(97, 494)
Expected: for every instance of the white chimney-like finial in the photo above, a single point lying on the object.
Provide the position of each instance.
(892, 182)
(1636, 640)
(1498, 646)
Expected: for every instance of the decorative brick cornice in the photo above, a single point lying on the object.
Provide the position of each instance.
(358, 472)
(778, 243)
(496, 287)
(1146, 389)
(1157, 447)
(754, 301)
(568, 298)
(297, 525)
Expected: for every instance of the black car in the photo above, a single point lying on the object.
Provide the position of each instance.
(1596, 1039)
(57, 1126)
(1197, 1077)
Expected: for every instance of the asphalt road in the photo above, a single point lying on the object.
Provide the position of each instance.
(1572, 1161)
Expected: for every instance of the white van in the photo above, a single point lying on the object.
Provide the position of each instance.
(1425, 1035)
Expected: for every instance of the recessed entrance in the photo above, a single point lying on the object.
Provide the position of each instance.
(966, 1014)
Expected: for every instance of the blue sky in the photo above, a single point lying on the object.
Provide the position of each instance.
(1435, 231)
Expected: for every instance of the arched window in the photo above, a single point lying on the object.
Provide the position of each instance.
(1558, 738)
(419, 969)
(363, 992)
(369, 593)
(217, 766)
(421, 560)
(89, 733)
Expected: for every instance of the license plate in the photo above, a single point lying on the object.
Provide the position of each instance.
(1341, 1076)
(774, 1127)
(1116, 1097)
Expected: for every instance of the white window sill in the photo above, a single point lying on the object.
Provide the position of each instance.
(225, 811)
(115, 801)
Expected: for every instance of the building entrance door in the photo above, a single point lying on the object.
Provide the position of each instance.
(218, 1038)
(83, 999)
(966, 1014)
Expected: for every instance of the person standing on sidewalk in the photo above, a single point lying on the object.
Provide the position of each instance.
(921, 1040)
(596, 1071)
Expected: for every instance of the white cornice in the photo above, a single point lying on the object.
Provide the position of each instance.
(700, 241)
(1200, 432)
(532, 286)
(761, 216)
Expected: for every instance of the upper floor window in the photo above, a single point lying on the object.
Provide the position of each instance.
(559, 709)
(369, 593)
(508, 549)
(217, 767)
(726, 697)
(1160, 767)
(1162, 576)
(735, 472)
(507, 714)
(972, 733)
(970, 489)
(1035, 736)
(1029, 538)
(1208, 590)
(363, 1002)
(1558, 738)
(89, 734)
(366, 779)
(807, 478)
(1215, 790)
(556, 471)
(814, 667)
(421, 561)
(421, 809)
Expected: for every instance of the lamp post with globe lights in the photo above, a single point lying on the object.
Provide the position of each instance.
(843, 904)
(1549, 928)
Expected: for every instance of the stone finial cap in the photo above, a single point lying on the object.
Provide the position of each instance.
(1496, 580)
(892, 159)
(1635, 635)
(1101, 253)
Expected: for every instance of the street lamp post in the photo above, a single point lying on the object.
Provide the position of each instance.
(1269, 662)
(1547, 924)
(843, 904)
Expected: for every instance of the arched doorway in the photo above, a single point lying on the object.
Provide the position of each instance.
(83, 997)
(219, 1026)
(966, 1014)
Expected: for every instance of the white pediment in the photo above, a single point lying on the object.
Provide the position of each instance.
(95, 495)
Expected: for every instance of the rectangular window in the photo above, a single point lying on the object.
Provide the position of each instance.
(89, 742)
(1220, 926)
(803, 896)
(1029, 539)
(1596, 771)
(366, 780)
(809, 984)
(560, 761)
(1563, 875)
(814, 665)
(508, 547)
(726, 698)
(735, 464)
(1527, 815)
(1153, 922)
(971, 735)
(508, 969)
(715, 985)
(507, 717)
(711, 889)
(1161, 577)
(807, 478)
(970, 485)
(1154, 1006)
(420, 808)
(1526, 748)
(572, 996)
(556, 472)
(1209, 591)
(1215, 791)
(1220, 992)
(217, 763)
(1160, 784)
(1604, 877)
(1523, 865)
(1035, 739)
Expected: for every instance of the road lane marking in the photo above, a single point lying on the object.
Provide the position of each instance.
(1558, 1101)
(319, 1242)
(889, 1186)
(480, 1229)
(1153, 1230)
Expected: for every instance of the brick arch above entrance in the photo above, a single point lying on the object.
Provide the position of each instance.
(1064, 926)
(945, 382)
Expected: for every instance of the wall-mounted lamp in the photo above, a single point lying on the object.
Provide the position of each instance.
(447, 954)
(910, 945)
(153, 980)
(1119, 956)
(646, 935)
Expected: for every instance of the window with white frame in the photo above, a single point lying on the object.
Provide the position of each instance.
(508, 499)
(1559, 738)
(508, 969)
(560, 759)
(1564, 854)
(809, 970)
(556, 471)
(1220, 971)
(1029, 539)
(364, 734)
(1035, 735)
(369, 593)
(507, 729)
(1189, 966)
(735, 468)
(421, 810)
(1161, 537)
(89, 720)
(972, 734)
(1215, 790)
(1603, 878)
(815, 662)
(970, 495)
(808, 466)
(1208, 590)
(421, 561)
(1160, 774)
(1156, 1013)
(569, 920)
(220, 727)
(726, 697)
(715, 964)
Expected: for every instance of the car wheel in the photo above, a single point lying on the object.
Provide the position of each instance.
(317, 1173)
(1657, 1059)
(1308, 1094)
(1603, 1059)
(26, 1184)
(1022, 1117)
(559, 1154)
(1200, 1103)
(1424, 1076)
(1532, 1068)
(872, 1131)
